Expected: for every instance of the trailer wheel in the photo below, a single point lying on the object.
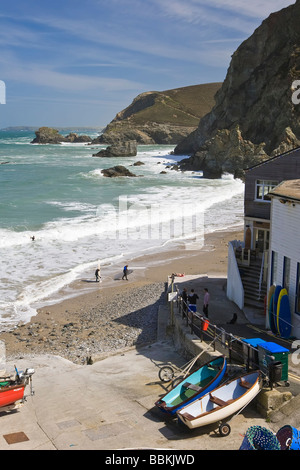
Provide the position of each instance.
(166, 374)
(224, 429)
(177, 381)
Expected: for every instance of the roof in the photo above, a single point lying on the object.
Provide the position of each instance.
(289, 189)
(268, 160)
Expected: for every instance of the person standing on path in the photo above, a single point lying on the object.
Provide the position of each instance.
(184, 297)
(125, 272)
(192, 298)
(206, 300)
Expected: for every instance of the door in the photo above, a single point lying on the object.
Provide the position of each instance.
(262, 240)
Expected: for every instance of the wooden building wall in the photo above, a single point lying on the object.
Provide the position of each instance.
(285, 224)
(283, 167)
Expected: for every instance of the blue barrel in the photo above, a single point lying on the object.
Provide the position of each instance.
(289, 438)
(259, 438)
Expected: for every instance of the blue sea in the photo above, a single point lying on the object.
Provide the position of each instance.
(80, 218)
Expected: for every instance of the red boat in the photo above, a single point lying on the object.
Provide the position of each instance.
(12, 389)
(10, 394)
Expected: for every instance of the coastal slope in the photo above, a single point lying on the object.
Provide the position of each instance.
(161, 117)
(254, 116)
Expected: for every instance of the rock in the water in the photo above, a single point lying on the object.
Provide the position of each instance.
(116, 171)
(48, 135)
(120, 149)
(77, 139)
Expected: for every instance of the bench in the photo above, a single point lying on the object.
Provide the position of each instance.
(245, 384)
(190, 386)
(217, 401)
(188, 416)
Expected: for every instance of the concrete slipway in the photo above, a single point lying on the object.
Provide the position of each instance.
(110, 404)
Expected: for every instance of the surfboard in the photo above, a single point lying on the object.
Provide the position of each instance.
(281, 293)
(269, 301)
(284, 317)
(120, 275)
(275, 302)
(270, 293)
(272, 317)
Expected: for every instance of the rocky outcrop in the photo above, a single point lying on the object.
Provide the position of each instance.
(150, 133)
(75, 138)
(256, 96)
(120, 149)
(161, 117)
(116, 171)
(226, 152)
(48, 135)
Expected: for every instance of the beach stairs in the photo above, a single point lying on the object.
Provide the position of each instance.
(254, 296)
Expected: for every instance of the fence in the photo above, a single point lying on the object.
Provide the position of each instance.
(238, 350)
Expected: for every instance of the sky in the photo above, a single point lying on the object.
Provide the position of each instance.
(77, 63)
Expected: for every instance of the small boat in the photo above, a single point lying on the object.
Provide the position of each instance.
(193, 386)
(12, 389)
(226, 400)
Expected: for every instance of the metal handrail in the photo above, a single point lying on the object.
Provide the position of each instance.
(226, 340)
(261, 276)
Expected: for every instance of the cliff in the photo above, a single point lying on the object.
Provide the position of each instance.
(161, 117)
(254, 116)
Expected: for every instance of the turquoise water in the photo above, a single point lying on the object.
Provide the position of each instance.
(78, 217)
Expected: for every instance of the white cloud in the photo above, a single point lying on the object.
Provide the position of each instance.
(180, 30)
(122, 47)
(254, 9)
(221, 12)
(43, 75)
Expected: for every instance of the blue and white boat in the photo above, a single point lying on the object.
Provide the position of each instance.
(226, 400)
(194, 386)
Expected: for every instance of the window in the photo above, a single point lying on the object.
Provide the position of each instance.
(274, 268)
(263, 188)
(286, 273)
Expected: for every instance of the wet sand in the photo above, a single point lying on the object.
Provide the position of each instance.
(114, 314)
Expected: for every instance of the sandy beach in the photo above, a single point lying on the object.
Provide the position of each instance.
(114, 314)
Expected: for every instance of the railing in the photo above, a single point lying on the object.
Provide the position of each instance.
(235, 288)
(261, 276)
(238, 350)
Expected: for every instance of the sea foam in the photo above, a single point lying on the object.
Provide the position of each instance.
(79, 217)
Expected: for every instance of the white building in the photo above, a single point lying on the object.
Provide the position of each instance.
(284, 249)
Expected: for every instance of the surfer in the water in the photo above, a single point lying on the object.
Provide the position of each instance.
(125, 272)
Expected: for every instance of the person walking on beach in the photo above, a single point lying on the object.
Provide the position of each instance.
(206, 300)
(192, 298)
(97, 274)
(125, 272)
